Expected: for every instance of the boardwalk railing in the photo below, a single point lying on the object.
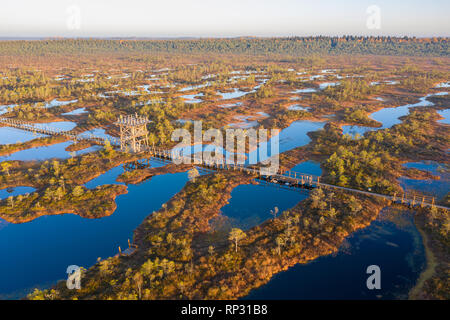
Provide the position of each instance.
(287, 178)
(291, 178)
(43, 129)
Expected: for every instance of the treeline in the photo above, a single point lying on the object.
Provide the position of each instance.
(292, 46)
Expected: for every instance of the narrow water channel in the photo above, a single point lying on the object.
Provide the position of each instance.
(389, 117)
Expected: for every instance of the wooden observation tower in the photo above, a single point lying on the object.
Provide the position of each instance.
(133, 132)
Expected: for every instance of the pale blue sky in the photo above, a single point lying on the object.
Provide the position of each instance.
(182, 18)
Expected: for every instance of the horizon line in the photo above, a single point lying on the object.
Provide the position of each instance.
(25, 38)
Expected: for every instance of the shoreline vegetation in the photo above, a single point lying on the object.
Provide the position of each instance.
(86, 203)
(433, 283)
(139, 175)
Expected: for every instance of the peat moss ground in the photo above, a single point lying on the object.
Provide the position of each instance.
(107, 92)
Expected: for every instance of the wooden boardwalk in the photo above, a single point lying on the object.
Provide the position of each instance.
(290, 179)
(29, 126)
(294, 179)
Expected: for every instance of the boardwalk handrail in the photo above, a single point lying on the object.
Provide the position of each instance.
(29, 126)
(293, 178)
(289, 178)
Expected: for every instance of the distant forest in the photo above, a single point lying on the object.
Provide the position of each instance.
(297, 46)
